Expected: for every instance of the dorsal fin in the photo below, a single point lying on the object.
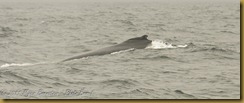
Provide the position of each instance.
(144, 36)
(140, 38)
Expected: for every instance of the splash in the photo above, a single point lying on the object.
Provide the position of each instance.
(20, 64)
(159, 44)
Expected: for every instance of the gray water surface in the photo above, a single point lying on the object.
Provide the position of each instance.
(48, 31)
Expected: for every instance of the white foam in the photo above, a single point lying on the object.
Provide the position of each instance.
(159, 44)
(19, 64)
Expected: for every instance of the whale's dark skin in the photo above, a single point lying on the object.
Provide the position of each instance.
(135, 43)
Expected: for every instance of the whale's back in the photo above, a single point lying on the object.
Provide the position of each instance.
(136, 43)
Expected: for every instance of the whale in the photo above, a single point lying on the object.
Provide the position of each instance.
(133, 43)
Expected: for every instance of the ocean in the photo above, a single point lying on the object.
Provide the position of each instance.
(195, 52)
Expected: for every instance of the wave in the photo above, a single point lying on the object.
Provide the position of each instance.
(6, 32)
(159, 44)
(214, 49)
(226, 31)
(126, 22)
(156, 57)
(119, 83)
(122, 82)
(183, 94)
(161, 57)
